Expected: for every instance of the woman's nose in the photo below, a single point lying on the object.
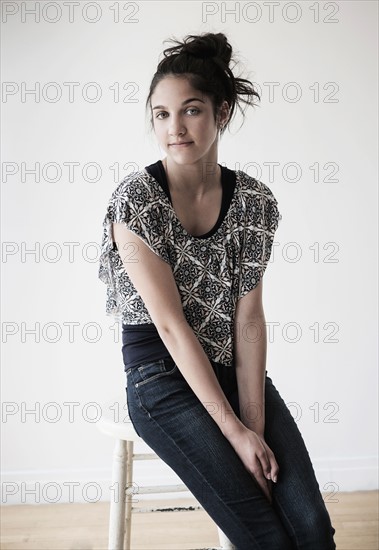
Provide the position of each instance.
(176, 127)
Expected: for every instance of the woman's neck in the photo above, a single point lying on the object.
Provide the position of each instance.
(193, 181)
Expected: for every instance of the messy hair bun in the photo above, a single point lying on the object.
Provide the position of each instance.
(205, 60)
(205, 46)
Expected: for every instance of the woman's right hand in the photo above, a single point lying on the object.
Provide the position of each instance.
(256, 456)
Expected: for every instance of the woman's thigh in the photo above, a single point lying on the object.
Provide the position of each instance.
(175, 424)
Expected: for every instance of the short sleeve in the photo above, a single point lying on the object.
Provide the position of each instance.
(261, 220)
(132, 203)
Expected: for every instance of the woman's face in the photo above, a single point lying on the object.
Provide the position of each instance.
(182, 114)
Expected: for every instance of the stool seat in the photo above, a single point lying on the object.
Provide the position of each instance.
(119, 430)
(115, 422)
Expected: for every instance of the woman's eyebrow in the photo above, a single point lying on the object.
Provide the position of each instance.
(184, 103)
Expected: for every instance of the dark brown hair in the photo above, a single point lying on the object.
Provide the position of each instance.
(204, 59)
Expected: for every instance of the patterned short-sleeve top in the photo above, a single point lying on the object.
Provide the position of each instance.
(211, 273)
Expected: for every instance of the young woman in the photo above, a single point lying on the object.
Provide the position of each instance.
(185, 245)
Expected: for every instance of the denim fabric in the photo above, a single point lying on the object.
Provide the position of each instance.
(169, 417)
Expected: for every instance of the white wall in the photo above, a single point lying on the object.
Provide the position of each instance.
(328, 375)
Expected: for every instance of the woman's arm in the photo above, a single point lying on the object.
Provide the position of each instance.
(250, 352)
(154, 281)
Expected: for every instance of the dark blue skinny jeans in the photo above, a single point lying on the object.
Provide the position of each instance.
(168, 416)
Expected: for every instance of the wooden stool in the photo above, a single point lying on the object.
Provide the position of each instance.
(120, 520)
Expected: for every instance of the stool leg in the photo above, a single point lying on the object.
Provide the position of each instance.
(129, 495)
(117, 509)
(225, 543)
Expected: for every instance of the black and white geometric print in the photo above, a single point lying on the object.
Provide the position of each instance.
(211, 273)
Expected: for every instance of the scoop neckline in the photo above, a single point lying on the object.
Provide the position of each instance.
(217, 226)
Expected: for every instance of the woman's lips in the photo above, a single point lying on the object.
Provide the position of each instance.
(181, 144)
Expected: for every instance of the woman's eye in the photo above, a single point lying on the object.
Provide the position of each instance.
(193, 109)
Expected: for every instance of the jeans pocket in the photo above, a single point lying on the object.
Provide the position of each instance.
(146, 373)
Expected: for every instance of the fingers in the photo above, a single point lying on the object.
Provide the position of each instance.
(269, 465)
(273, 466)
(266, 471)
(260, 478)
(259, 460)
(265, 460)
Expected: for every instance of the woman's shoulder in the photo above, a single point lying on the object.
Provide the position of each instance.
(134, 183)
(258, 202)
(137, 188)
(250, 186)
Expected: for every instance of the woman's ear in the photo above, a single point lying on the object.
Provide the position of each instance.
(223, 114)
